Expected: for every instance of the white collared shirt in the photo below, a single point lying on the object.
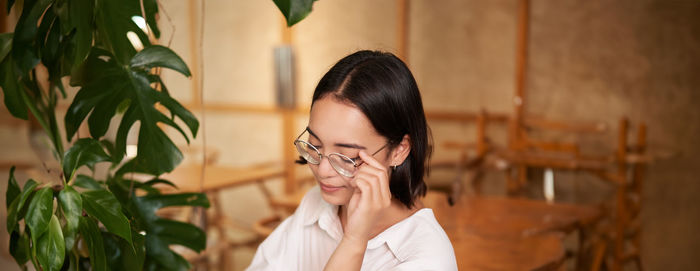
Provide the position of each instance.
(306, 240)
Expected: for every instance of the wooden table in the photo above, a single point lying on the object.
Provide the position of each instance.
(216, 177)
(540, 252)
(507, 233)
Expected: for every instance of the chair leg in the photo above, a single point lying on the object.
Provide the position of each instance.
(638, 262)
(511, 183)
(598, 255)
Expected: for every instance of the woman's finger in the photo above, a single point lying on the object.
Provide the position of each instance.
(371, 161)
(382, 178)
(375, 186)
(366, 197)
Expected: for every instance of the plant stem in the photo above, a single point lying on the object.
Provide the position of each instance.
(76, 258)
(35, 111)
(33, 257)
(51, 131)
(51, 112)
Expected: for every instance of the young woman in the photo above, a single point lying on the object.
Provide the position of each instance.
(367, 145)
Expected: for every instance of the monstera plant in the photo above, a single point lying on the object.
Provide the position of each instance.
(78, 220)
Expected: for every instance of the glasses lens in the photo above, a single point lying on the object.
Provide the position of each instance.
(343, 165)
(309, 153)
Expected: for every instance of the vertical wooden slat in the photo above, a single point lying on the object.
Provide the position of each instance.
(194, 50)
(641, 149)
(621, 197)
(288, 126)
(638, 179)
(481, 133)
(402, 33)
(515, 129)
(515, 132)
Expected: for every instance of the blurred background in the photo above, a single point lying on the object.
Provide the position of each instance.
(564, 71)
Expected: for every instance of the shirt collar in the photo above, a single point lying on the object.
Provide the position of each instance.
(324, 213)
(317, 207)
(327, 217)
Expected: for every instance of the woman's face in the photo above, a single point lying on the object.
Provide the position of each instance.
(337, 127)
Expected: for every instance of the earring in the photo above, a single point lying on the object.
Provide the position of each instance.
(394, 166)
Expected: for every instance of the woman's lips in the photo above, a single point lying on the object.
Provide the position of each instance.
(329, 188)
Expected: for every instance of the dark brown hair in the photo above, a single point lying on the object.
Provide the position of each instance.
(383, 88)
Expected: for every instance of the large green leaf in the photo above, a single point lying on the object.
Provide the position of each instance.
(165, 258)
(104, 91)
(294, 10)
(9, 81)
(51, 250)
(102, 205)
(159, 56)
(151, 9)
(176, 232)
(160, 181)
(19, 247)
(143, 208)
(149, 204)
(113, 19)
(81, 17)
(5, 45)
(48, 35)
(87, 182)
(86, 151)
(91, 233)
(161, 233)
(52, 46)
(23, 44)
(120, 255)
(39, 212)
(13, 190)
(167, 231)
(14, 212)
(72, 207)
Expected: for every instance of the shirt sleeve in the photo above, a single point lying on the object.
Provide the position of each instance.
(273, 245)
(431, 250)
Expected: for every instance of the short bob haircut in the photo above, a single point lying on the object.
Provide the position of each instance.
(383, 88)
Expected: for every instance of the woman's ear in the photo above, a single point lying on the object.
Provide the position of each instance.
(399, 154)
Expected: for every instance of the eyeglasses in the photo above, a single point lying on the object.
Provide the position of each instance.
(342, 164)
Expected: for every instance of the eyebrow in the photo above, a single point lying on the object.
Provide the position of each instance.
(342, 145)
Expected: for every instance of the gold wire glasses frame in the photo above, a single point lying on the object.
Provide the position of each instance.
(342, 164)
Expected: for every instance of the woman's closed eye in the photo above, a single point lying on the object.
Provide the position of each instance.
(315, 143)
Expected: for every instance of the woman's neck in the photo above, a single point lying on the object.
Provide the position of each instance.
(392, 215)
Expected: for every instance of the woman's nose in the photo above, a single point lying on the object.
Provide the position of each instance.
(325, 169)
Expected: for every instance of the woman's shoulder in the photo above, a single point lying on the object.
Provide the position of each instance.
(421, 238)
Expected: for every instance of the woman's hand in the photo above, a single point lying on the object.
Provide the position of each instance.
(369, 201)
(371, 197)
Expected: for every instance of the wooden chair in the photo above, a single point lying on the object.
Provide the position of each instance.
(623, 169)
(619, 237)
